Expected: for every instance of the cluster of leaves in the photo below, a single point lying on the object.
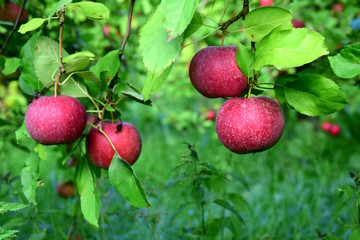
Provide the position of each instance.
(9, 207)
(278, 44)
(205, 189)
(39, 64)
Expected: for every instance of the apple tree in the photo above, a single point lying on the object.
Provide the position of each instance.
(77, 97)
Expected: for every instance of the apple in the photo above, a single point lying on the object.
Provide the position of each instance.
(248, 125)
(55, 120)
(338, 7)
(264, 3)
(211, 115)
(335, 130)
(297, 23)
(124, 136)
(10, 12)
(326, 126)
(66, 190)
(214, 72)
(106, 30)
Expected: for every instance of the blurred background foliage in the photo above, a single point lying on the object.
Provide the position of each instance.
(299, 189)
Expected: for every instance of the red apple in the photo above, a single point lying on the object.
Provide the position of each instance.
(214, 72)
(335, 130)
(264, 3)
(55, 120)
(106, 30)
(297, 23)
(211, 115)
(10, 12)
(338, 7)
(248, 125)
(326, 126)
(66, 190)
(124, 136)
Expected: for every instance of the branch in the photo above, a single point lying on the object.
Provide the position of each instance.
(14, 28)
(224, 26)
(61, 68)
(127, 30)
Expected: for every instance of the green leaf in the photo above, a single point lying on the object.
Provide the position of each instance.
(195, 24)
(109, 64)
(41, 151)
(355, 235)
(153, 82)
(30, 175)
(25, 87)
(11, 64)
(89, 76)
(57, 8)
(177, 15)
(31, 25)
(77, 61)
(151, 45)
(46, 59)
(74, 88)
(21, 132)
(126, 183)
(136, 97)
(245, 59)
(7, 233)
(289, 48)
(27, 67)
(89, 196)
(92, 10)
(225, 204)
(7, 207)
(109, 108)
(346, 64)
(279, 87)
(260, 22)
(314, 95)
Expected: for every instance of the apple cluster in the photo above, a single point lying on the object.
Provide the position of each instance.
(61, 120)
(332, 129)
(243, 125)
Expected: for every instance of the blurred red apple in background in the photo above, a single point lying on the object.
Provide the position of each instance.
(10, 12)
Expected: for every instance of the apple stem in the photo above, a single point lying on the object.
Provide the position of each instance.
(106, 136)
(14, 28)
(61, 67)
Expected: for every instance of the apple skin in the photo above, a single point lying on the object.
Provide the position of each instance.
(211, 115)
(214, 72)
(338, 7)
(335, 130)
(326, 126)
(248, 125)
(66, 190)
(55, 120)
(298, 23)
(264, 3)
(11, 11)
(127, 143)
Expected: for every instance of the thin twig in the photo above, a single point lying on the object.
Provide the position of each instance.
(61, 68)
(121, 51)
(14, 28)
(242, 15)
